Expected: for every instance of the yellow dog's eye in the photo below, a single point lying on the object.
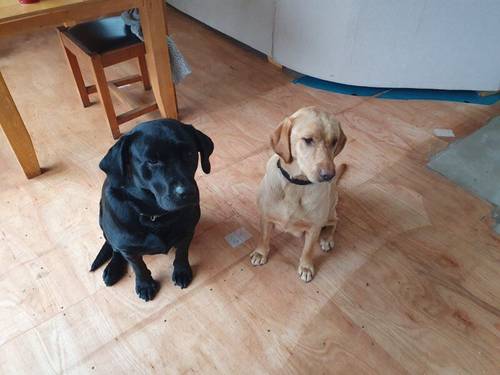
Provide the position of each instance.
(334, 143)
(308, 141)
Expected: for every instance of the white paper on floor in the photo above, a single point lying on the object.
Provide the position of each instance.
(445, 133)
(238, 237)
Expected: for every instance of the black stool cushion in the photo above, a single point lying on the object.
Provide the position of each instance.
(103, 35)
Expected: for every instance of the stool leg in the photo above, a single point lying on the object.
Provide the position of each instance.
(144, 72)
(77, 74)
(104, 94)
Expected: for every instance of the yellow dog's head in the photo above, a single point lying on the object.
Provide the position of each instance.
(312, 138)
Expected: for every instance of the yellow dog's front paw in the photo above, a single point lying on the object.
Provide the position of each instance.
(326, 244)
(257, 258)
(306, 272)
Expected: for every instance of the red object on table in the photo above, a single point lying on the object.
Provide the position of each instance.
(28, 1)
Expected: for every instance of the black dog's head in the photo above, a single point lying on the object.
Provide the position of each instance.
(160, 159)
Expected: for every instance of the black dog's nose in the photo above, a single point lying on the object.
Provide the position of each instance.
(184, 192)
(326, 175)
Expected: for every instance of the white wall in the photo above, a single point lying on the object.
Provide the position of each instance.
(249, 21)
(445, 44)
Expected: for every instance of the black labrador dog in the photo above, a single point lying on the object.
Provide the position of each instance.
(150, 200)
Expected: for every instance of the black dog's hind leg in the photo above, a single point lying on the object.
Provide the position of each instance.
(115, 270)
(182, 274)
(145, 286)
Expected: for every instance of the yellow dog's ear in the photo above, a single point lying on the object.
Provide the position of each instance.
(280, 140)
(340, 142)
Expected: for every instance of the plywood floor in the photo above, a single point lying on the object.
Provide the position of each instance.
(413, 285)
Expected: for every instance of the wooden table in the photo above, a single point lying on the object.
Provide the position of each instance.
(15, 18)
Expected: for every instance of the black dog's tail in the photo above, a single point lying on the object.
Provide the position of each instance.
(104, 255)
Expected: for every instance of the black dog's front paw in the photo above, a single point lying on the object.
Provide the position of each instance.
(182, 276)
(146, 289)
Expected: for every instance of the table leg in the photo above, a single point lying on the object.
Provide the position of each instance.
(17, 135)
(153, 30)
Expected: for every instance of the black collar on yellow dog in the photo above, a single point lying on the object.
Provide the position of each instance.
(293, 180)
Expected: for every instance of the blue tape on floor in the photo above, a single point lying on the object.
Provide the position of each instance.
(338, 87)
(446, 95)
(400, 94)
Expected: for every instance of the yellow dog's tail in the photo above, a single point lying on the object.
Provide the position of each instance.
(340, 172)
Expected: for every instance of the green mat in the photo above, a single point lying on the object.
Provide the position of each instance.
(474, 164)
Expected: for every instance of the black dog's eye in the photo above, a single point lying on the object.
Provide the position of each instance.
(153, 162)
(308, 141)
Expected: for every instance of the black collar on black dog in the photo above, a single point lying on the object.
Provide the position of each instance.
(151, 217)
(295, 181)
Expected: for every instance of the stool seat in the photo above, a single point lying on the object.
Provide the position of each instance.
(101, 36)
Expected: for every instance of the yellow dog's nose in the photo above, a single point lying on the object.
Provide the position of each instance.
(326, 175)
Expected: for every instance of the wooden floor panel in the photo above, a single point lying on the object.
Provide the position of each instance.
(412, 286)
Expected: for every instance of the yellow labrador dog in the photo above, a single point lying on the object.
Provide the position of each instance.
(298, 193)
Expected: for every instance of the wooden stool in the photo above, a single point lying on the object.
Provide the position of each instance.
(103, 43)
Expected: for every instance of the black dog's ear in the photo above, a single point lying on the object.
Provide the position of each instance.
(205, 147)
(115, 163)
